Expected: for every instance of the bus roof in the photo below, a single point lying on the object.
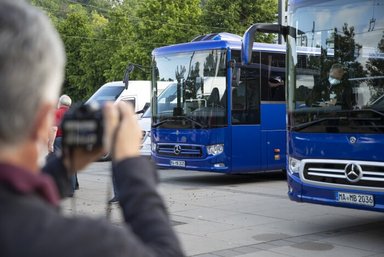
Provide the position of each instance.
(217, 41)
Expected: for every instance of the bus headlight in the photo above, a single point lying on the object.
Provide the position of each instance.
(215, 149)
(153, 146)
(294, 165)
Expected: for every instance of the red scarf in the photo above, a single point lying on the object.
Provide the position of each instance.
(25, 182)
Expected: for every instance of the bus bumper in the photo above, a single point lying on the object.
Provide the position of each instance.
(302, 192)
(212, 163)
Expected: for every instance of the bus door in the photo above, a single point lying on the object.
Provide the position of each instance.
(273, 119)
(245, 120)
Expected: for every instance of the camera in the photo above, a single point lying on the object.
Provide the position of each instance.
(83, 127)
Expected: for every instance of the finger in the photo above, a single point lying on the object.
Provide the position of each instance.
(111, 120)
(128, 134)
(125, 109)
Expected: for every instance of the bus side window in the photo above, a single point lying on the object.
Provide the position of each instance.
(273, 77)
(246, 98)
(238, 106)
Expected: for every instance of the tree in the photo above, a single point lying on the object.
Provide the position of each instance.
(75, 30)
(119, 35)
(235, 16)
(159, 23)
(92, 56)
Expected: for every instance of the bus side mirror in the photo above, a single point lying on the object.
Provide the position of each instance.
(249, 35)
(146, 106)
(269, 28)
(128, 70)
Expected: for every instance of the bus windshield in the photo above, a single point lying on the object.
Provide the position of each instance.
(198, 97)
(338, 60)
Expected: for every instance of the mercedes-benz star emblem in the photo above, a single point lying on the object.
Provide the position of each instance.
(352, 140)
(353, 172)
(177, 149)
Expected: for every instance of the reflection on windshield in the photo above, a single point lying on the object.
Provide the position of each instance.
(197, 99)
(106, 93)
(339, 62)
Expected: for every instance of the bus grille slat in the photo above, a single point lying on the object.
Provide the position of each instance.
(334, 173)
(184, 151)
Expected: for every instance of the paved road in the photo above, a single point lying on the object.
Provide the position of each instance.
(243, 216)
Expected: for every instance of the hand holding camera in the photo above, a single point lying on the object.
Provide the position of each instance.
(89, 131)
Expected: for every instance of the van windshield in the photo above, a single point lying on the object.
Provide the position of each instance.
(106, 93)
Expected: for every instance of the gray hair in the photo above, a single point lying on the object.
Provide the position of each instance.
(32, 63)
(65, 100)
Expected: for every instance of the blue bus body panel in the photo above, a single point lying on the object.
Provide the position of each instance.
(273, 133)
(338, 147)
(246, 141)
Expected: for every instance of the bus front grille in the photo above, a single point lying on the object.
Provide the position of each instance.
(354, 174)
(177, 150)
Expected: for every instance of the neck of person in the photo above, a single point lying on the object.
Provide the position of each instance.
(24, 155)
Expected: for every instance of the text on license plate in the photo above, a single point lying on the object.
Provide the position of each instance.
(361, 199)
(178, 163)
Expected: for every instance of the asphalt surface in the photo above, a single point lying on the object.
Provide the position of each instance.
(242, 215)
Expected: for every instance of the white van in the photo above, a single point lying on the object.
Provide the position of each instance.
(138, 93)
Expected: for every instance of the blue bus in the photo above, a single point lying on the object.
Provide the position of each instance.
(224, 115)
(335, 103)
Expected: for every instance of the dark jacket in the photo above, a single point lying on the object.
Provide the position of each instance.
(31, 224)
(344, 94)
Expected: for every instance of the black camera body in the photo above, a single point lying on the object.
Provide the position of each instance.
(83, 127)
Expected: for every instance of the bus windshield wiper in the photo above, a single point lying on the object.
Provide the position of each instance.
(177, 118)
(312, 123)
(376, 111)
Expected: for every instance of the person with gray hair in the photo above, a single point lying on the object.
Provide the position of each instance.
(62, 107)
(65, 100)
(334, 90)
(32, 63)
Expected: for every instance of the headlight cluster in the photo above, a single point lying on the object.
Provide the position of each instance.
(294, 165)
(153, 147)
(215, 149)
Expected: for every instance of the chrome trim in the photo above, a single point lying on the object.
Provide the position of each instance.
(179, 150)
(340, 173)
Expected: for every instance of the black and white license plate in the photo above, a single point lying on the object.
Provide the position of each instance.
(177, 163)
(361, 199)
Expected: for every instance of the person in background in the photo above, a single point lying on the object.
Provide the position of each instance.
(334, 91)
(63, 106)
(30, 219)
(277, 87)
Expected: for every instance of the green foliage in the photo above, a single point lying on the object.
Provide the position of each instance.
(235, 16)
(76, 30)
(153, 24)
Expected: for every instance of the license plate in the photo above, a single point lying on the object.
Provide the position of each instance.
(361, 199)
(177, 163)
